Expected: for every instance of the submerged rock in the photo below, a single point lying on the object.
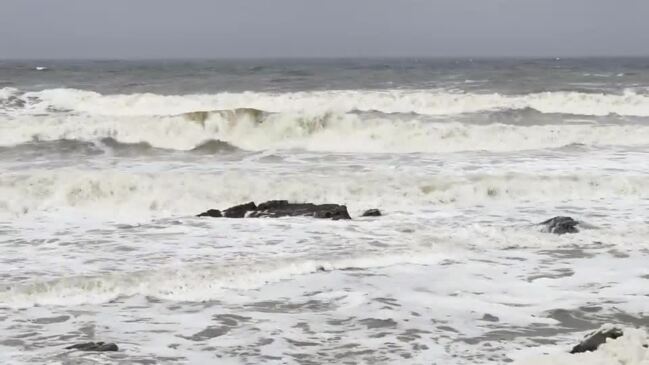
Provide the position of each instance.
(561, 225)
(592, 341)
(371, 213)
(281, 208)
(214, 146)
(93, 346)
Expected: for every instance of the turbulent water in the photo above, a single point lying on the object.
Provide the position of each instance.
(104, 166)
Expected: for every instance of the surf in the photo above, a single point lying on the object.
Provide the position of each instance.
(418, 101)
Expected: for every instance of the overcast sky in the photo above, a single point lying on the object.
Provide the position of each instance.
(323, 28)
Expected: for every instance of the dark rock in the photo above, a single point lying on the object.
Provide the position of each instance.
(214, 146)
(273, 204)
(282, 208)
(561, 225)
(94, 346)
(214, 213)
(490, 318)
(372, 213)
(592, 341)
(239, 211)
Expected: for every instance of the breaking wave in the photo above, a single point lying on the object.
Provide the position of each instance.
(189, 284)
(397, 121)
(423, 102)
(143, 195)
(254, 130)
(71, 147)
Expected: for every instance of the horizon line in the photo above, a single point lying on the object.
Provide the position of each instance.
(315, 58)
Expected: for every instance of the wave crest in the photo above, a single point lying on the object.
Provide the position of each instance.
(201, 117)
(422, 102)
(328, 132)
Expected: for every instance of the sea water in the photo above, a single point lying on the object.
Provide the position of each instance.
(104, 165)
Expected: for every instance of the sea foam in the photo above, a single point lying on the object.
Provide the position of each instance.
(424, 102)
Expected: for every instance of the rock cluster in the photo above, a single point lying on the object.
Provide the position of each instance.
(281, 208)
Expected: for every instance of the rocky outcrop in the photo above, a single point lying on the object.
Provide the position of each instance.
(371, 213)
(561, 225)
(592, 341)
(94, 346)
(239, 211)
(281, 208)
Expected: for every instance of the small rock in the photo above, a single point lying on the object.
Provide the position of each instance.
(93, 346)
(490, 318)
(372, 213)
(592, 341)
(214, 213)
(561, 225)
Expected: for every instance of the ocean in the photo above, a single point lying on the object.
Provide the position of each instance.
(104, 166)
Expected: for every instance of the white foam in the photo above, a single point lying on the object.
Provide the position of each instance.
(316, 132)
(319, 121)
(630, 349)
(425, 102)
(456, 241)
(193, 283)
(7, 92)
(126, 194)
(437, 294)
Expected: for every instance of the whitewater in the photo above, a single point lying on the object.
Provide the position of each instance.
(105, 165)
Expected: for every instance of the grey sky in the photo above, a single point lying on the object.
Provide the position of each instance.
(325, 28)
